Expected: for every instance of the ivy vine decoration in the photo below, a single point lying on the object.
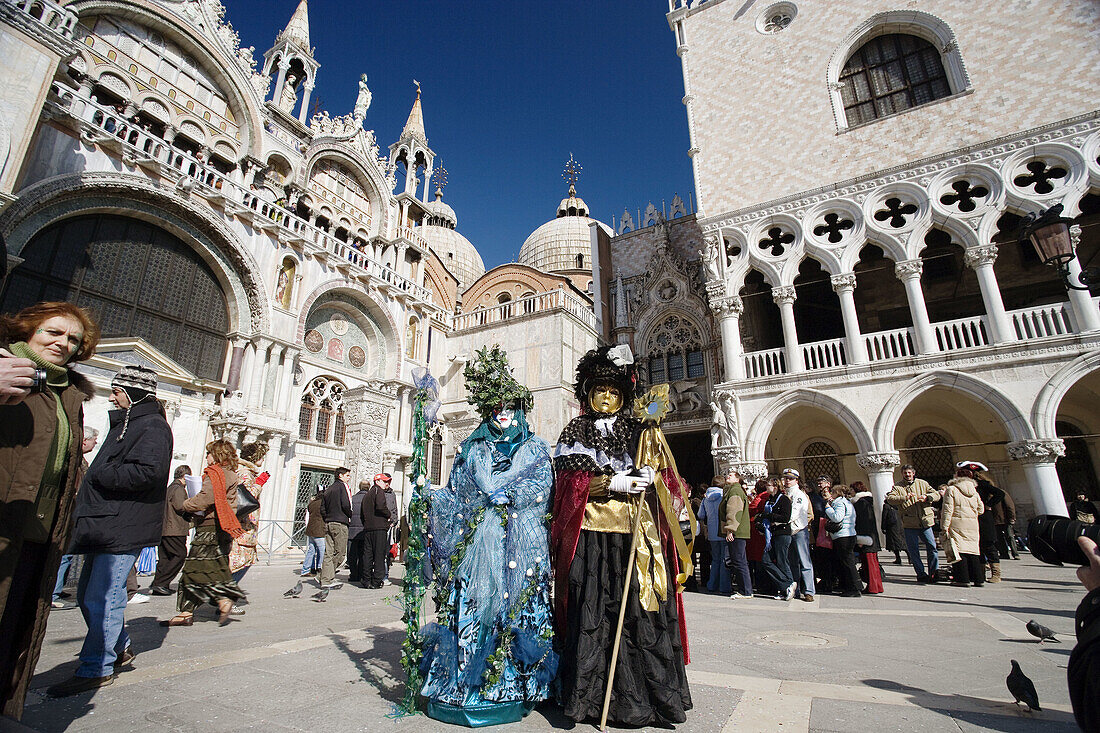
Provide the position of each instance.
(490, 384)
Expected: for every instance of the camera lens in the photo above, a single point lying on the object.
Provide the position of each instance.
(38, 381)
(1053, 540)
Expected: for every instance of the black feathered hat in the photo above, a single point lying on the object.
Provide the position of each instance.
(608, 364)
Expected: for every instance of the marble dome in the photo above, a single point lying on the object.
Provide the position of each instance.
(456, 252)
(556, 245)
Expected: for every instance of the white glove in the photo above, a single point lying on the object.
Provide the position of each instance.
(624, 482)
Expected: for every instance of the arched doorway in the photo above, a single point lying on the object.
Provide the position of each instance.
(1076, 471)
(136, 279)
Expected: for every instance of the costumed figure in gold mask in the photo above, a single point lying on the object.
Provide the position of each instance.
(617, 488)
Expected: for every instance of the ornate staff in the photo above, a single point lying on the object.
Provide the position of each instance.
(426, 413)
(653, 452)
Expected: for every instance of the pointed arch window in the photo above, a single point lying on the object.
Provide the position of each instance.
(675, 351)
(889, 74)
(820, 459)
(321, 415)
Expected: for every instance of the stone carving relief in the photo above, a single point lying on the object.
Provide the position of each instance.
(723, 426)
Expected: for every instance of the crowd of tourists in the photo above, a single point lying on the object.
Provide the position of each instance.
(777, 538)
(600, 489)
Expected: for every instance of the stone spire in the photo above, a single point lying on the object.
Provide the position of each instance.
(297, 30)
(414, 126)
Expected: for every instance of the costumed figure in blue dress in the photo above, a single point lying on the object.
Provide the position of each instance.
(489, 659)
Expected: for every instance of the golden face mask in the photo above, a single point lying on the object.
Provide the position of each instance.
(605, 398)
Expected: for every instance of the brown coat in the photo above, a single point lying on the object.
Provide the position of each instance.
(315, 524)
(959, 518)
(26, 433)
(175, 521)
(204, 500)
(914, 503)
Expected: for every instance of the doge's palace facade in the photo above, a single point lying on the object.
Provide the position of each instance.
(862, 170)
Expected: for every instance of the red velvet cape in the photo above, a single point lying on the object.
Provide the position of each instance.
(570, 498)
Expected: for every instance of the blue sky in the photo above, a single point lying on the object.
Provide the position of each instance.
(510, 90)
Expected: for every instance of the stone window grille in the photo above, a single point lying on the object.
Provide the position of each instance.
(930, 455)
(819, 459)
(889, 74)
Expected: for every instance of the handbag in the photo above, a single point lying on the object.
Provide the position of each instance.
(833, 527)
(246, 503)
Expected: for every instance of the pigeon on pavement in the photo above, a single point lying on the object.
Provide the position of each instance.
(1022, 688)
(294, 592)
(322, 596)
(1043, 632)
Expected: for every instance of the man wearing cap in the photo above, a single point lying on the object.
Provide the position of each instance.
(119, 510)
(913, 498)
(375, 515)
(802, 514)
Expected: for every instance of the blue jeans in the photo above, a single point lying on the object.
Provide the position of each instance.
(719, 574)
(777, 562)
(62, 571)
(800, 548)
(101, 594)
(738, 562)
(315, 552)
(913, 538)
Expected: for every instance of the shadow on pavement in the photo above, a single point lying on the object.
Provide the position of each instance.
(1024, 610)
(981, 712)
(379, 666)
(146, 634)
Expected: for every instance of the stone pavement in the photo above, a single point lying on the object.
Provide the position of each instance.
(919, 658)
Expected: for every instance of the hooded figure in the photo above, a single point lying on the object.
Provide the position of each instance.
(591, 540)
(490, 659)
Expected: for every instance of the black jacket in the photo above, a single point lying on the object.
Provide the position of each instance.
(356, 527)
(375, 512)
(1084, 664)
(120, 506)
(780, 515)
(336, 504)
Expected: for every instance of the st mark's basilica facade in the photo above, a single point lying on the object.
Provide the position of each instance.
(849, 293)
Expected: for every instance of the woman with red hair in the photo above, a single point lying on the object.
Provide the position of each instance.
(41, 430)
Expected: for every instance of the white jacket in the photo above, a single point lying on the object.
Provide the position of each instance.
(800, 509)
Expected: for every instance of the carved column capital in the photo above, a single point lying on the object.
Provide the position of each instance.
(1074, 236)
(985, 254)
(843, 281)
(751, 471)
(728, 306)
(879, 461)
(729, 457)
(1046, 450)
(784, 294)
(909, 269)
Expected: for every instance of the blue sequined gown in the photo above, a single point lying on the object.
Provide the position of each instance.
(489, 659)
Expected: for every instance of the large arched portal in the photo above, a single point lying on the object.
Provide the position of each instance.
(942, 426)
(1077, 425)
(135, 278)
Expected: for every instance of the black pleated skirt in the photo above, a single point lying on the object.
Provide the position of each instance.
(650, 680)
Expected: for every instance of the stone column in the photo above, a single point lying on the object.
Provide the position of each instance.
(284, 66)
(879, 466)
(1080, 301)
(236, 362)
(981, 260)
(1038, 457)
(784, 297)
(728, 310)
(273, 376)
(844, 285)
(284, 401)
(909, 271)
(258, 374)
(427, 181)
(365, 411)
(308, 84)
(87, 85)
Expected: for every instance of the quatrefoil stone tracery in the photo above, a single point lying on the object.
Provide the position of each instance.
(895, 212)
(777, 241)
(1040, 176)
(833, 227)
(966, 196)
